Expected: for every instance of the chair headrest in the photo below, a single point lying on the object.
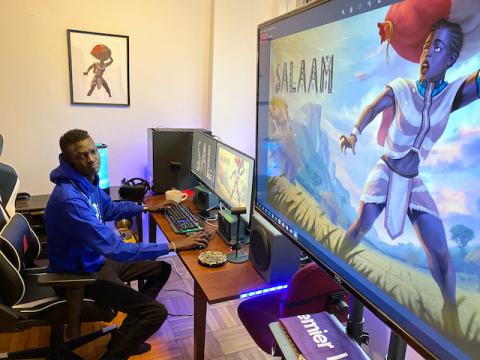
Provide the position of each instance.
(309, 285)
(9, 187)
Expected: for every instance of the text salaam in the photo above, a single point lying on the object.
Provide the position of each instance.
(318, 81)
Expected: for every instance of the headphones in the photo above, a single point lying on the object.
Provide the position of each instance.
(134, 189)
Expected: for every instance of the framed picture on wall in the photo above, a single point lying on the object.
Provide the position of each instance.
(99, 70)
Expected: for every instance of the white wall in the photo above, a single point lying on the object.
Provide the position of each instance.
(169, 79)
(235, 69)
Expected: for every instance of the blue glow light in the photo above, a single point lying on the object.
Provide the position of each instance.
(104, 182)
(262, 291)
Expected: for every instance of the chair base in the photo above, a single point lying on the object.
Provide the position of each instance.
(59, 350)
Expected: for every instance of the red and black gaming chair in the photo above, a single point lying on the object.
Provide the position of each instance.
(310, 290)
(27, 297)
(9, 185)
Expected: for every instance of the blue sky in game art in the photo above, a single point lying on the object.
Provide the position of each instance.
(452, 171)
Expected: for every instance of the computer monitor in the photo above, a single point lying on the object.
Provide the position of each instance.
(234, 178)
(169, 158)
(204, 153)
(331, 65)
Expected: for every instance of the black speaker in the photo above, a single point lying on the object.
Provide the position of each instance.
(169, 158)
(204, 198)
(274, 256)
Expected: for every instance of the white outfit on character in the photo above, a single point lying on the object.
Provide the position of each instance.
(418, 123)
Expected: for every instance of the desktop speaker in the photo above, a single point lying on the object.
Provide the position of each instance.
(227, 228)
(169, 158)
(204, 198)
(274, 256)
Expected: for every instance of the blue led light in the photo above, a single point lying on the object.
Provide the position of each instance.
(263, 291)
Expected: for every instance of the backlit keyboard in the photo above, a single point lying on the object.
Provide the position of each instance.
(182, 220)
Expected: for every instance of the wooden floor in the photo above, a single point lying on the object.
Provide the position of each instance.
(226, 338)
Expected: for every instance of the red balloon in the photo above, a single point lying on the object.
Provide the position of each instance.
(407, 25)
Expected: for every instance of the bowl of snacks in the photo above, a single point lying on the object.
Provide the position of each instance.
(212, 258)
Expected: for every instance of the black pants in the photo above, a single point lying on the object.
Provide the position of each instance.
(144, 314)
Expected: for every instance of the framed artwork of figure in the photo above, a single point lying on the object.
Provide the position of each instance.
(99, 68)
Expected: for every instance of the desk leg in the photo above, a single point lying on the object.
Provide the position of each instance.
(152, 229)
(199, 322)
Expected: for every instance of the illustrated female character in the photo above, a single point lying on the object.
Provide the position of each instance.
(236, 175)
(420, 111)
(104, 55)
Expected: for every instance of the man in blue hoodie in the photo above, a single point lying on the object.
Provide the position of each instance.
(80, 242)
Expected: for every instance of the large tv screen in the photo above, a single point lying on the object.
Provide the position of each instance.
(368, 156)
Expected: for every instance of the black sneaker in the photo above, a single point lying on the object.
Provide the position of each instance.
(142, 349)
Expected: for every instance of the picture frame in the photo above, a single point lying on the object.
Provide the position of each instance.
(98, 68)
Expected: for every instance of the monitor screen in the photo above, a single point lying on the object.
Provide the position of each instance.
(397, 220)
(234, 178)
(204, 152)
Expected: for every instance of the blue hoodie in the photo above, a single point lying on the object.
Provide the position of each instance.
(78, 239)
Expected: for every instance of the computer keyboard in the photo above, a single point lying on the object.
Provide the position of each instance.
(181, 219)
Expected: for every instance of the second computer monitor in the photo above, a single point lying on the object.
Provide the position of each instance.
(204, 150)
(234, 178)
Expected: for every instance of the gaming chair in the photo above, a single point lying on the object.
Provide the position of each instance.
(310, 290)
(27, 297)
(8, 187)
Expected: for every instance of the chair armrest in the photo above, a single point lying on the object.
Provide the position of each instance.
(75, 290)
(66, 280)
(35, 270)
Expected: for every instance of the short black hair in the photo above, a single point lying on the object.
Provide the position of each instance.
(71, 137)
(456, 34)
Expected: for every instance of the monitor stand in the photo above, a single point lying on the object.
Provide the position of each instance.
(397, 347)
(238, 256)
(355, 322)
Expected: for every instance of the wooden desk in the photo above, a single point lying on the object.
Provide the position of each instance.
(211, 285)
(32, 204)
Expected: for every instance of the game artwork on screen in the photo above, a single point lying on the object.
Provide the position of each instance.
(374, 150)
(232, 178)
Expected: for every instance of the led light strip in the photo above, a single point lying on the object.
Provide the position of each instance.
(262, 291)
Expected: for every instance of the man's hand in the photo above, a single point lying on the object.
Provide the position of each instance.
(160, 207)
(348, 142)
(197, 241)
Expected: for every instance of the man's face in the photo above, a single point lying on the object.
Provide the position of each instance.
(437, 56)
(84, 157)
